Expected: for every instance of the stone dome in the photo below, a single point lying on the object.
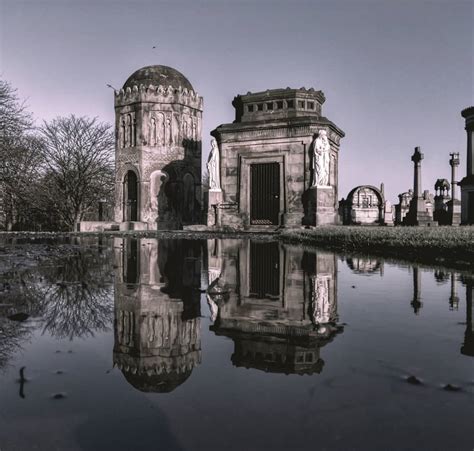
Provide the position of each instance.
(158, 75)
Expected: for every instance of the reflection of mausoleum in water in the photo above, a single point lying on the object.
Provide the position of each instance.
(157, 312)
(365, 265)
(278, 304)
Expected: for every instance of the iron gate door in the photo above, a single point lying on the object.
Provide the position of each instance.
(264, 270)
(264, 193)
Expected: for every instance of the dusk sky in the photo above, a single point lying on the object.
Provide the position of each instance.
(396, 74)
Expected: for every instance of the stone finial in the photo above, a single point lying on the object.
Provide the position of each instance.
(417, 155)
(454, 160)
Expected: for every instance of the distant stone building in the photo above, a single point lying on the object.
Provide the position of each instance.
(365, 265)
(467, 183)
(277, 304)
(365, 205)
(278, 162)
(158, 122)
(157, 312)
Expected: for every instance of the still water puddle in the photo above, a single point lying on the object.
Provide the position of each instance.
(230, 344)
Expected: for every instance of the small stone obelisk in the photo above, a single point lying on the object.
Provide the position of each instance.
(418, 213)
(454, 205)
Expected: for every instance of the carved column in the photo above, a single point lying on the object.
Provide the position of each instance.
(454, 205)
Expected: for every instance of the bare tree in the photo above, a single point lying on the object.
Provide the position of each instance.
(78, 162)
(18, 152)
(14, 119)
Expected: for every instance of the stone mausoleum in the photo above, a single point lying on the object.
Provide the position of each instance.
(276, 165)
(365, 205)
(158, 121)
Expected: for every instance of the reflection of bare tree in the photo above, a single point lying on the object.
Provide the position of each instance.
(12, 335)
(78, 300)
(72, 295)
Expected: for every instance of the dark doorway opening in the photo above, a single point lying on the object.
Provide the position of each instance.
(264, 270)
(130, 197)
(131, 262)
(265, 193)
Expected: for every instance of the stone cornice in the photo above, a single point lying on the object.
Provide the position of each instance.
(158, 94)
(295, 128)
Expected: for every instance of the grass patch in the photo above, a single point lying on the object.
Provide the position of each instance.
(425, 244)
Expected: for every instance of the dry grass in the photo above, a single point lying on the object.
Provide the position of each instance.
(435, 244)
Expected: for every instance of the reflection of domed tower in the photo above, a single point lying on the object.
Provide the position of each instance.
(277, 304)
(157, 315)
(158, 120)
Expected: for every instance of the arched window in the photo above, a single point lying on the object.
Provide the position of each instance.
(130, 196)
(153, 140)
(134, 130)
(123, 137)
(129, 130)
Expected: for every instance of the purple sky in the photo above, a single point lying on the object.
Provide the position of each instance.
(396, 74)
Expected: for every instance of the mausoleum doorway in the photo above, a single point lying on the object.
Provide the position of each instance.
(130, 197)
(264, 193)
(264, 270)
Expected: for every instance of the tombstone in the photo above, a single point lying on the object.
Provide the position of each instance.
(403, 206)
(388, 213)
(364, 206)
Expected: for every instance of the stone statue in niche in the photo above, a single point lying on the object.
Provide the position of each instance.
(213, 167)
(213, 307)
(321, 308)
(321, 159)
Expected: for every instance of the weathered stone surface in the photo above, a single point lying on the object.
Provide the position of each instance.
(280, 133)
(158, 150)
(364, 205)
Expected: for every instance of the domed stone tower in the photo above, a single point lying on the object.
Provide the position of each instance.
(158, 121)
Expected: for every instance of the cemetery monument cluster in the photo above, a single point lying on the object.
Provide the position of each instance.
(274, 166)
